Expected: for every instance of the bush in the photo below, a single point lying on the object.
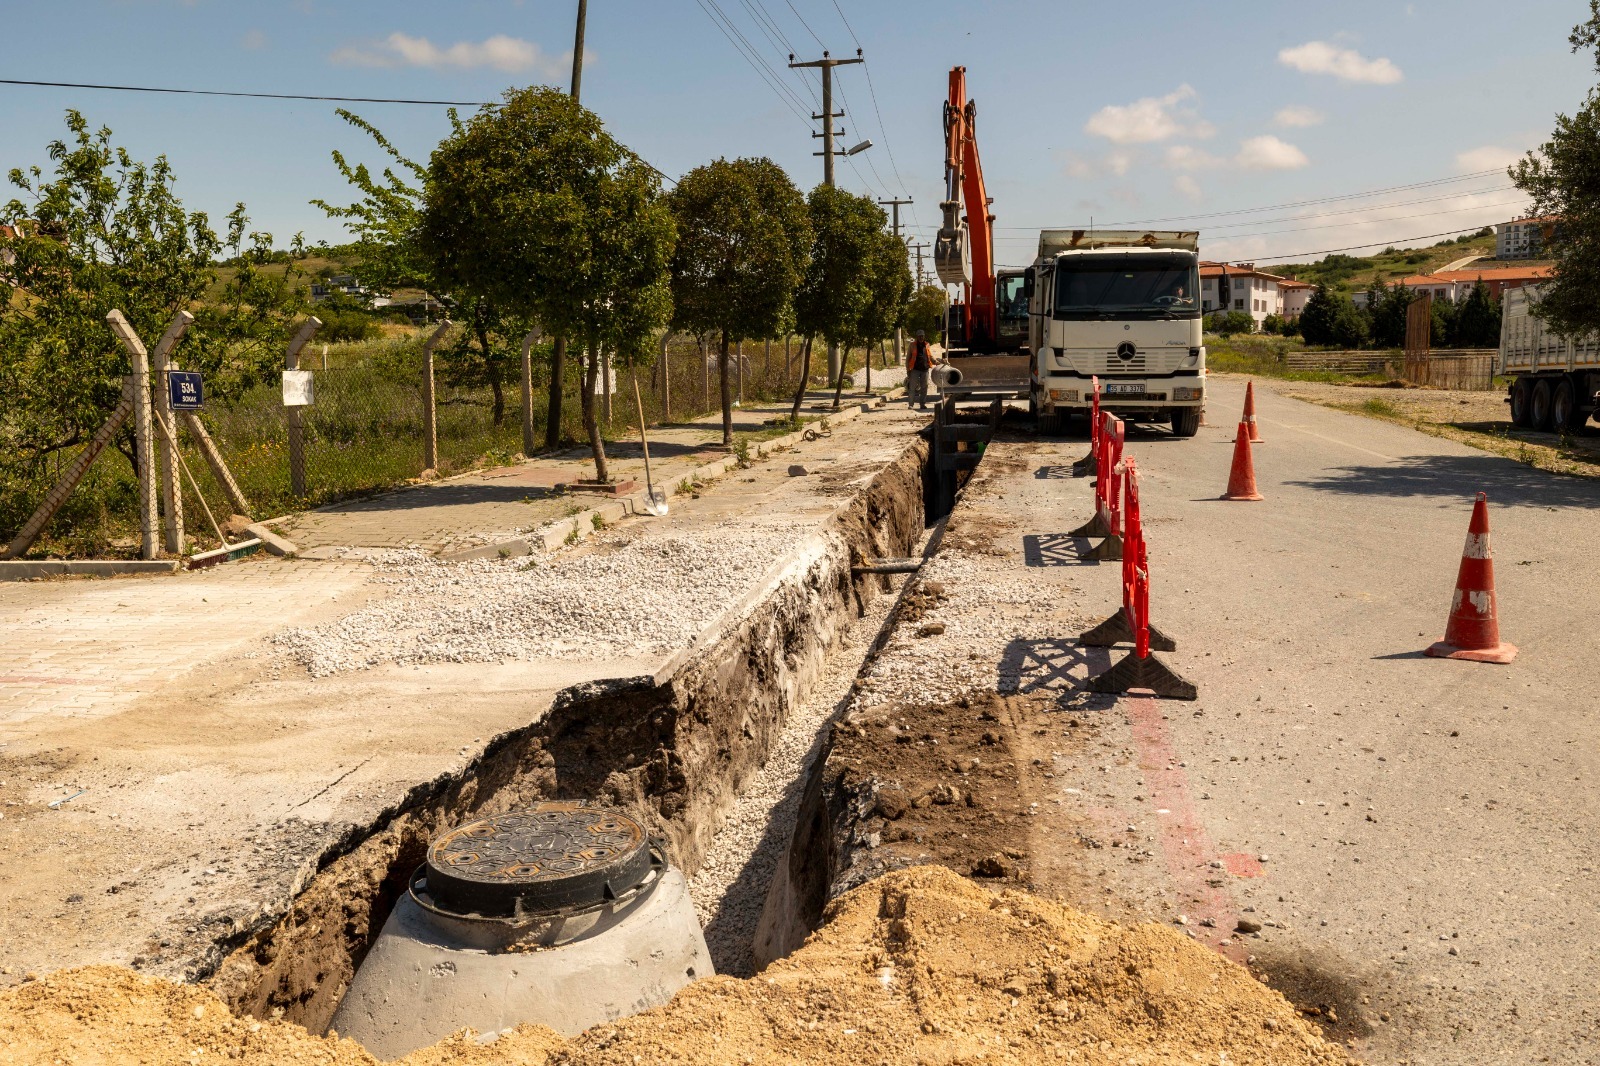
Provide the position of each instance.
(1274, 324)
(346, 326)
(1228, 323)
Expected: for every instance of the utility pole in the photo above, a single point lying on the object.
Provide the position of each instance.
(899, 332)
(577, 49)
(558, 352)
(918, 246)
(826, 65)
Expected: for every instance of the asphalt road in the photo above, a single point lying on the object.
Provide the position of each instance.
(1430, 826)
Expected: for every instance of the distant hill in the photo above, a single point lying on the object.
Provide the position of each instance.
(1355, 273)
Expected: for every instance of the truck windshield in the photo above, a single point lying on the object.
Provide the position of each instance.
(1144, 286)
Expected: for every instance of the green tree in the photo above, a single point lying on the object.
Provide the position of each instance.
(888, 281)
(1390, 306)
(926, 310)
(1317, 320)
(387, 253)
(1562, 178)
(534, 207)
(104, 231)
(744, 237)
(837, 288)
(1477, 323)
(1228, 323)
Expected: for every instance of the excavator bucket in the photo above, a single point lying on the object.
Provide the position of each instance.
(952, 254)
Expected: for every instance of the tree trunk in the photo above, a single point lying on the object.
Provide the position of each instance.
(558, 377)
(805, 379)
(727, 391)
(844, 370)
(591, 424)
(490, 369)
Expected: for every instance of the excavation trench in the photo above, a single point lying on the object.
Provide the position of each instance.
(675, 750)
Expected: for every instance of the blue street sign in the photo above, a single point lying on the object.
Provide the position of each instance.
(185, 389)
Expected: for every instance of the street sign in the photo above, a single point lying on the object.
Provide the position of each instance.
(185, 390)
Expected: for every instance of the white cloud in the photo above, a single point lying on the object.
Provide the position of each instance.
(1187, 188)
(254, 40)
(1346, 64)
(1188, 157)
(1489, 157)
(508, 54)
(1365, 229)
(1296, 117)
(1119, 163)
(1154, 118)
(1269, 153)
(1079, 168)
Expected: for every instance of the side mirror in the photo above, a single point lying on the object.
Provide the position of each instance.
(1027, 283)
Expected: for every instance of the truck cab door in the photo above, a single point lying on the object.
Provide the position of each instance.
(1039, 282)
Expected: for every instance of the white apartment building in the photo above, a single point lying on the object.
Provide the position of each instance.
(1240, 287)
(1523, 238)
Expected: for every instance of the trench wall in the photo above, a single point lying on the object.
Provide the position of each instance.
(676, 749)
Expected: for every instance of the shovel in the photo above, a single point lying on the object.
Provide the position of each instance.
(655, 499)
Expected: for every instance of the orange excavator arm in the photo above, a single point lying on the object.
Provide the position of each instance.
(964, 250)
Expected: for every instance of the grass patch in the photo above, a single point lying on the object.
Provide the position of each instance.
(1563, 457)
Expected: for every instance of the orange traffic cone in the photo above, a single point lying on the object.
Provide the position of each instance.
(1242, 478)
(1250, 411)
(1473, 631)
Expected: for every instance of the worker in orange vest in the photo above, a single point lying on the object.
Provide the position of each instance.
(919, 365)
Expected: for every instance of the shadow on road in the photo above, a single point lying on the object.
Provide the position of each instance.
(1056, 549)
(1460, 477)
(1048, 664)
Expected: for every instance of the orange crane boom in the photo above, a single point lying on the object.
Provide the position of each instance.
(964, 249)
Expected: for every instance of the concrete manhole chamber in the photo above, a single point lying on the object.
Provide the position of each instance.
(563, 915)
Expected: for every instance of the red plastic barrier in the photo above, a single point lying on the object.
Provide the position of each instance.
(1135, 563)
(1109, 459)
(1094, 420)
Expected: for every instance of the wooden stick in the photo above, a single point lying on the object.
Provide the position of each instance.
(74, 473)
(213, 458)
(171, 434)
(143, 432)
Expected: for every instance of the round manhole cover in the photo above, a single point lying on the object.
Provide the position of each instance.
(558, 854)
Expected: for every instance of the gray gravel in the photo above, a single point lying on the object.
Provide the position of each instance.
(624, 595)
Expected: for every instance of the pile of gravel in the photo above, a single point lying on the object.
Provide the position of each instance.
(637, 597)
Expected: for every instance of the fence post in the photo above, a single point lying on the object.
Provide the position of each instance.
(171, 487)
(666, 379)
(143, 432)
(528, 443)
(293, 415)
(430, 413)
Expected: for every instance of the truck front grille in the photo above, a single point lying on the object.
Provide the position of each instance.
(1107, 361)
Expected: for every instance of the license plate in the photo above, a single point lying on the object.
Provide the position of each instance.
(1124, 390)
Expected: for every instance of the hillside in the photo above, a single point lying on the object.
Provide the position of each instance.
(1351, 273)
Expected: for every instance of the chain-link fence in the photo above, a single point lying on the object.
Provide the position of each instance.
(364, 431)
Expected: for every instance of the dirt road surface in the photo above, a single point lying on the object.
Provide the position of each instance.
(1405, 846)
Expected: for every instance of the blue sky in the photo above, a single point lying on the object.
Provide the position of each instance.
(1115, 112)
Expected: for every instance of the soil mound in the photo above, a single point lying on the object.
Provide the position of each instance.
(918, 966)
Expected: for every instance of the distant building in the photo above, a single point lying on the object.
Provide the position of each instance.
(1240, 287)
(1293, 297)
(1524, 238)
(345, 284)
(1456, 285)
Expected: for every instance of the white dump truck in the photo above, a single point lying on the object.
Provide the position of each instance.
(1555, 380)
(1122, 306)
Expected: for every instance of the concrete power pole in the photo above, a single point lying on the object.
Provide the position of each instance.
(899, 332)
(918, 246)
(577, 49)
(826, 65)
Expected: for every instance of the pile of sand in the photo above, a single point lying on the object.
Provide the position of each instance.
(919, 966)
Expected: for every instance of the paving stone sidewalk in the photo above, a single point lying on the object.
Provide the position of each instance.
(492, 506)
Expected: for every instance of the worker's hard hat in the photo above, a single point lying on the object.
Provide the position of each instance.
(921, 335)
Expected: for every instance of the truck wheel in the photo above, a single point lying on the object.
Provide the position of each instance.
(1539, 409)
(1521, 402)
(1564, 408)
(1049, 425)
(1185, 421)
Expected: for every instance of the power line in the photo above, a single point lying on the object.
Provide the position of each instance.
(846, 22)
(866, 68)
(252, 96)
(755, 55)
(1313, 203)
(1373, 244)
(1369, 222)
(756, 65)
(806, 24)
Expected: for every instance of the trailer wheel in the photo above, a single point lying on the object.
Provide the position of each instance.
(1539, 410)
(1185, 421)
(1564, 408)
(1521, 402)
